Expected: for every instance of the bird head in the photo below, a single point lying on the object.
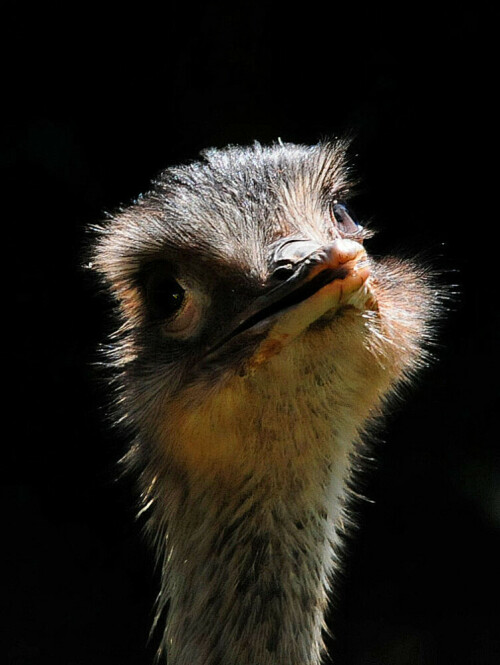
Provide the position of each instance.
(248, 246)
(234, 276)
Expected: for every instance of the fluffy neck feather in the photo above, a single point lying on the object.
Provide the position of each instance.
(254, 515)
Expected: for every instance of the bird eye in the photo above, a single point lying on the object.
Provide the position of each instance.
(164, 295)
(344, 219)
(172, 304)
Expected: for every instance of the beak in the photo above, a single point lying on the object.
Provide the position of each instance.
(313, 280)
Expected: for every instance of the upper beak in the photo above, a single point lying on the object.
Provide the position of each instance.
(319, 279)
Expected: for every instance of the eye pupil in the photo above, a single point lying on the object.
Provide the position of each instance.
(344, 218)
(164, 295)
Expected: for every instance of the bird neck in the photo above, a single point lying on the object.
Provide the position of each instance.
(248, 570)
(253, 529)
(255, 507)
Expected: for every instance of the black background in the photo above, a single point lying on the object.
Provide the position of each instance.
(96, 106)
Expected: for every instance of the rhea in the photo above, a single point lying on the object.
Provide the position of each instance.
(257, 344)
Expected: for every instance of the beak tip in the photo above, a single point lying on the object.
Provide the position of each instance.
(344, 250)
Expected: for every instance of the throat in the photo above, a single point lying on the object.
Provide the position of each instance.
(253, 526)
(247, 573)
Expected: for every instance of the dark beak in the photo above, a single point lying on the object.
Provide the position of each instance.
(301, 269)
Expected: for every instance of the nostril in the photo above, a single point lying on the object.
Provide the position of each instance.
(288, 255)
(284, 271)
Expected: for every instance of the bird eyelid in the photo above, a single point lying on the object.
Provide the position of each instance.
(346, 222)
